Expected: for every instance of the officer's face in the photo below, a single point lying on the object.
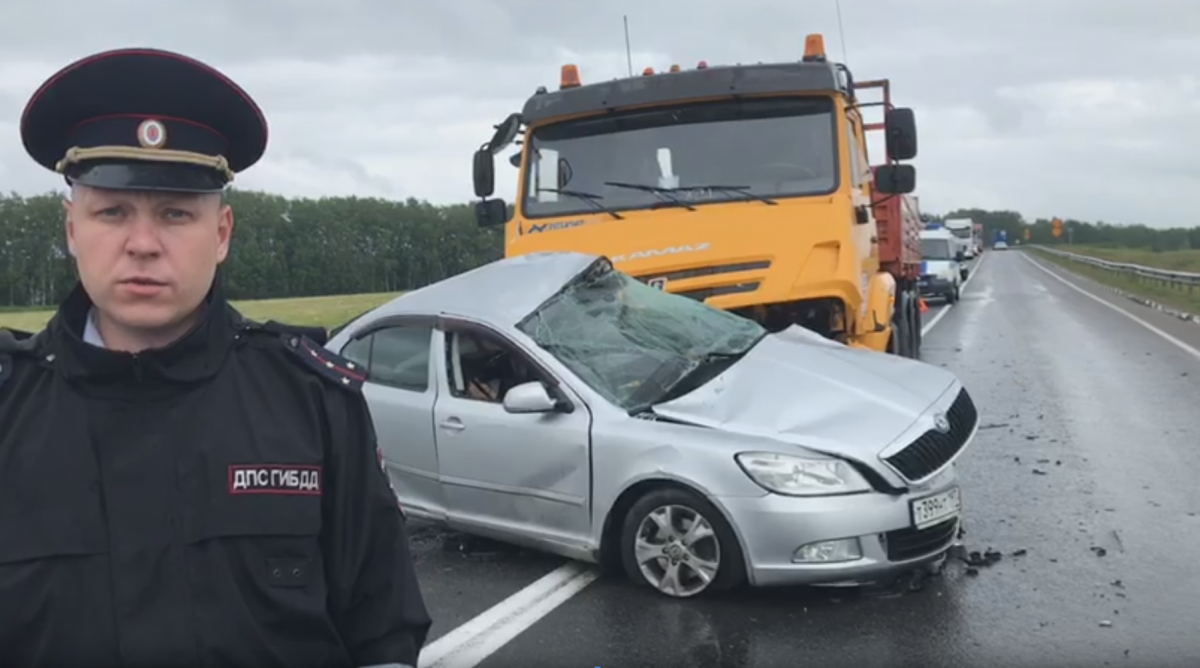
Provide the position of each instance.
(147, 260)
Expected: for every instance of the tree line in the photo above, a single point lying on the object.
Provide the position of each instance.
(281, 247)
(286, 247)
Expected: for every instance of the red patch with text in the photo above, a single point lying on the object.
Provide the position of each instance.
(275, 479)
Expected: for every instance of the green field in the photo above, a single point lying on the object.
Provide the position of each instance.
(1183, 299)
(326, 312)
(1181, 260)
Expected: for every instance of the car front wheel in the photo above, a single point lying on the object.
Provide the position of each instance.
(677, 542)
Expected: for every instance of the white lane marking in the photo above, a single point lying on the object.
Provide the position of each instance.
(1165, 336)
(937, 317)
(468, 645)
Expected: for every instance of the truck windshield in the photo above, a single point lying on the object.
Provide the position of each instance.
(632, 343)
(962, 233)
(936, 249)
(773, 147)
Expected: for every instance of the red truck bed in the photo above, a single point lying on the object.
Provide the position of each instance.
(898, 220)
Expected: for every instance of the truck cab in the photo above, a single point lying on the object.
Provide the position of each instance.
(963, 230)
(747, 187)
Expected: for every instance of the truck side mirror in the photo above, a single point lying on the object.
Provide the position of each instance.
(960, 256)
(492, 212)
(484, 173)
(895, 179)
(900, 130)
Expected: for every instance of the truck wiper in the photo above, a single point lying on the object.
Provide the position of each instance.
(590, 198)
(737, 190)
(665, 193)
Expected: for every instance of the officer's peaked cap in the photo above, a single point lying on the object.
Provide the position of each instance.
(143, 119)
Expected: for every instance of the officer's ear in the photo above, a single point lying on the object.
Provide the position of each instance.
(69, 224)
(224, 228)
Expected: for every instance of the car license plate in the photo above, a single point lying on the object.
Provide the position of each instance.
(937, 508)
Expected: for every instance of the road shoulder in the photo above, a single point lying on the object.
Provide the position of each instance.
(1162, 322)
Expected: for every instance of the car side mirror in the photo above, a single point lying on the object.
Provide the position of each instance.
(531, 397)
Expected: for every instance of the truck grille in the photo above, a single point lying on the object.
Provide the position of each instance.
(933, 449)
(912, 543)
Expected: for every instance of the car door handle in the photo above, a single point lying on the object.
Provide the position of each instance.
(452, 424)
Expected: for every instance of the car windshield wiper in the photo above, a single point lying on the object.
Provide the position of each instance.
(734, 190)
(667, 194)
(590, 198)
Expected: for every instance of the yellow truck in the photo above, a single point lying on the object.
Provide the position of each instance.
(745, 186)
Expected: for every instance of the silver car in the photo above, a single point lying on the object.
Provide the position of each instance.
(551, 401)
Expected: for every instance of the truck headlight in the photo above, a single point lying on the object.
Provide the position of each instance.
(801, 476)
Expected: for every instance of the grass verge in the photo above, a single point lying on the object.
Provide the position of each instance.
(1178, 260)
(1183, 299)
(326, 312)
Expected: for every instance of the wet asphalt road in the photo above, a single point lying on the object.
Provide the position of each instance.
(1083, 476)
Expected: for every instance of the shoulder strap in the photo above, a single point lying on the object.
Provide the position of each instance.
(304, 345)
(327, 364)
(13, 343)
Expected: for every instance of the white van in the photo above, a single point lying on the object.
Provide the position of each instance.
(942, 268)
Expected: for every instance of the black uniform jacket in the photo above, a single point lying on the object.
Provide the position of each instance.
(219, 502)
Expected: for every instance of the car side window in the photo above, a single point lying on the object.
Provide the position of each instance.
(359, 351)
(484, 367)
(395, 356)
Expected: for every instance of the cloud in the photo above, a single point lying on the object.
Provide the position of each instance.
(1059, 107)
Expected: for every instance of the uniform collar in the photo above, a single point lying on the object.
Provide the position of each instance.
(198, 355)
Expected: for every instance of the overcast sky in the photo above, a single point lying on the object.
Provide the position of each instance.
(1069, 108)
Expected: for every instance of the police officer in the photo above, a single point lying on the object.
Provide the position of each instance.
(180, 486)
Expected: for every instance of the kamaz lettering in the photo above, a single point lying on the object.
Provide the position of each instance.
(660, 252)
(551, 227)
(251, 479)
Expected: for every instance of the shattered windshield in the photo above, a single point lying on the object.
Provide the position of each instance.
(635, 344)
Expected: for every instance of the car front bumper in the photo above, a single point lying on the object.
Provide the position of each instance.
(772, 528)
(933, 286)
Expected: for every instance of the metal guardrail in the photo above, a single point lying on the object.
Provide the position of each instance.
(1177, 279)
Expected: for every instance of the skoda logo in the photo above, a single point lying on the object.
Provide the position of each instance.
(941, 423)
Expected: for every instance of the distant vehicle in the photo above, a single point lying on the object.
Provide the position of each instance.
(551, 401)
(1000, 245)
(964, 234)
(942, 269)
(1000, 240)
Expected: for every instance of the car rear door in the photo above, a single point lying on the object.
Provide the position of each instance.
(400, 390)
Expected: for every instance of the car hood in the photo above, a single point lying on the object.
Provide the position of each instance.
(799, 387)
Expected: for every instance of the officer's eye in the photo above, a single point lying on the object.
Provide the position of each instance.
(111, 212)
(178, 215)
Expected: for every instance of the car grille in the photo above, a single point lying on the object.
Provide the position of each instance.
(933, 449)
(910, 543)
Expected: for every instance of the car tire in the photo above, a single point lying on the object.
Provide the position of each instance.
(681, 510)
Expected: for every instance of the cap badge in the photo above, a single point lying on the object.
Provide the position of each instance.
(152, 134)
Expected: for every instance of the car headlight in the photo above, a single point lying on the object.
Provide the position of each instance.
(802, 476)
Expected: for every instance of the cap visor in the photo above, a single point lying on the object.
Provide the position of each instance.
(169, 177)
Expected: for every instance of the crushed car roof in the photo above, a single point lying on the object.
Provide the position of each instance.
(502, 292)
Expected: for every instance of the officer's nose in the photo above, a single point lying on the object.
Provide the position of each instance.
(144, 237)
